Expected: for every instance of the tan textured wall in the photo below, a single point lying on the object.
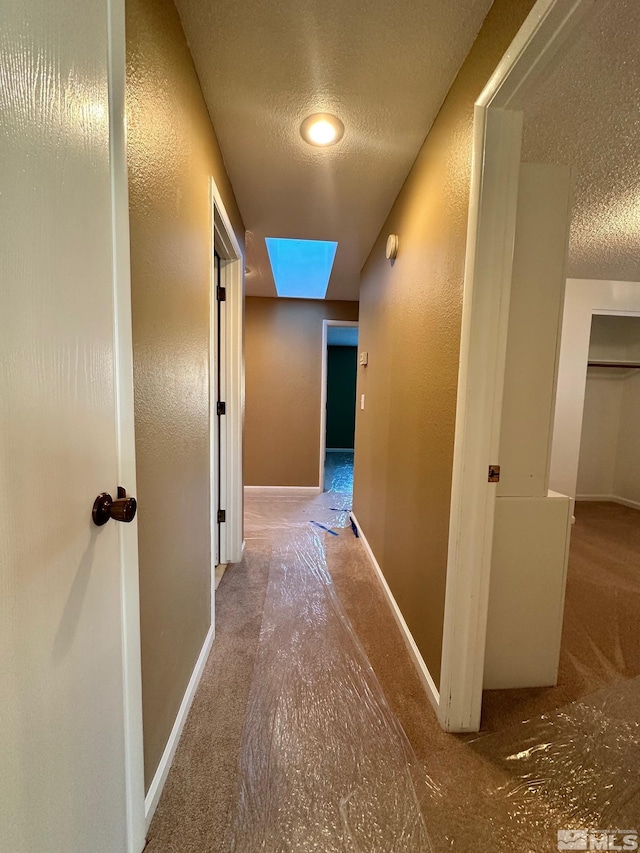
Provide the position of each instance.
(410, 316)
(283, 364)
(172, 151)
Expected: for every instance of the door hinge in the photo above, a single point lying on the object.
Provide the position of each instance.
(221, 408)
(221, 293)
(494, 473)
(222, 515)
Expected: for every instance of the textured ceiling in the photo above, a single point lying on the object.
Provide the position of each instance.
(383, 68)
(587, 113)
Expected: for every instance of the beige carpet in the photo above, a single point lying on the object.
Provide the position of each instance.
(601, 637)
(512, 787)
(201, 790)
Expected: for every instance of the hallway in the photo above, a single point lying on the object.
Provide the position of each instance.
(193, 195)
(298, 622)
(288, 679)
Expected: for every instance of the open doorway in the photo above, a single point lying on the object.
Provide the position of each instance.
(529, 123)
(595, 459)
(338, 410)
(603, 593)
(225, 392)
(609, 448)
(594, 451)
(582, 599)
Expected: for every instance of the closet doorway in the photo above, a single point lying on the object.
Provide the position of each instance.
(596, 458)
(603, 594)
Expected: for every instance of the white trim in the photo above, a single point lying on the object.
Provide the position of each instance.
(423, 671)
(323, 391)
(282, 490)
(487, 287)
(214, 438)
(126, 449)
(155, 789)
(485, 314)
(616, 499)
(625, 502)
(538, 40)
(323, 406)
(232, 356)
(584, 298)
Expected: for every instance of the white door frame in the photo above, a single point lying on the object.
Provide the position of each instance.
(323, 393)
(584, 298)
(126, 449)
(485, 316)
(226, 245)
(232, 277)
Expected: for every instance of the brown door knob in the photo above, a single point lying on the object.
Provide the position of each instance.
(122, 509)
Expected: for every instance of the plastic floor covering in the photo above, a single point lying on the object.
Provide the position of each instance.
(338, 471)
(325, 764)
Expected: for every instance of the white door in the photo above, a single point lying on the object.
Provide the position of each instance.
(219, 400)
(67, 639)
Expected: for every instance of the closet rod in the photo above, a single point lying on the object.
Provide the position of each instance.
(627, 364)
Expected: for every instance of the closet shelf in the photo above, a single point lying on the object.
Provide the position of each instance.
(623, 364)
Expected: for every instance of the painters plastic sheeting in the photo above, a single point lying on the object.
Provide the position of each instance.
(570, 770)
(295, 513)
(576, 768)
(338, 475)
(324, 764)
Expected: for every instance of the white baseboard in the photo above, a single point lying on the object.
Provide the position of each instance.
(423, 671)
(594, 498)
(626, 502)
(155, 789)
(282, 490)
(616, 499)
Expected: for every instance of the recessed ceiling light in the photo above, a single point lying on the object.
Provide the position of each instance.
(322, 129)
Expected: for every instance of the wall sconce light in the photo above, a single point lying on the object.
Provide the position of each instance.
(391, 250)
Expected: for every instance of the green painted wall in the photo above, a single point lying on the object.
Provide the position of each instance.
(341, 395)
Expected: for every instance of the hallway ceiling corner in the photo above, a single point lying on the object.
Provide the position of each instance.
(384, 71)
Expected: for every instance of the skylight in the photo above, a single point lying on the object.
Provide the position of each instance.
(301, 268)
